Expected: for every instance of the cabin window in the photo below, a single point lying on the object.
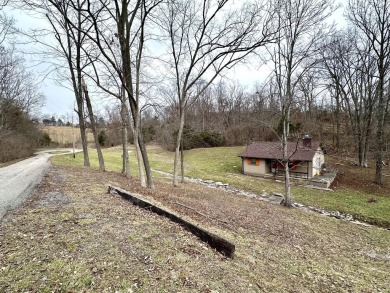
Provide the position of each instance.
(253, 162)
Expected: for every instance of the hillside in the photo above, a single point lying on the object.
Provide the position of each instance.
(354, 191)
(63, 135)
(73, 236)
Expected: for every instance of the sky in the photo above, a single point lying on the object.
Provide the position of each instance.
(60, 100)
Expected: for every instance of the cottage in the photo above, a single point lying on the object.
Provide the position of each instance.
(305, 158)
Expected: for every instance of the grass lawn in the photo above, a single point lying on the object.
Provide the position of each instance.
(71, 236)
(353, 194)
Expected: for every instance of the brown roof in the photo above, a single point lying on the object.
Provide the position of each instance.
(273, 150)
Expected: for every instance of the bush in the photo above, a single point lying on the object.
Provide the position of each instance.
(203, 139)
(102, 138)
(19, 134)
(149, 133)
(211, 139)
(16, 146)
(45, 140)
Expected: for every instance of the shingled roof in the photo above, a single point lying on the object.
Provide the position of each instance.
(273, 150)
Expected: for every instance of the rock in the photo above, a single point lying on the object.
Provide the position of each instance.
(276, 198)
(298, 205)
(264, 194)
(208, 181)
(220, 184)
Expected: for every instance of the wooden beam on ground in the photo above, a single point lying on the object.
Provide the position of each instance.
(221, 245)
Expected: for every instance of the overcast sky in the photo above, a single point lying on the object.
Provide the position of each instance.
(60, 100)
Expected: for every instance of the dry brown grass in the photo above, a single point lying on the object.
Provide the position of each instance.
(63, 135)
(72, 236)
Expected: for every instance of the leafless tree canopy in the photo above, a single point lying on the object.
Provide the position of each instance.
(166, 67)
(20, 100)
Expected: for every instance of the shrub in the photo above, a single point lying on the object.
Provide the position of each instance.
(149, 133)
(203, 139)
(45, 140)
(16, 146)
(19, 135)
(102, 138)
(211, 139)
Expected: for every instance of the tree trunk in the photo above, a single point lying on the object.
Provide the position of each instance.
(84, 142)
(138, 152)
(125, 138)
(379, 132)
(145, 159)
(123, 25)
(139, 160)
(286, 133)
(337, 117)
(366, 141)
(177, 150)
(94, 128)
(361, 157)
(182, 160)
(287, 188)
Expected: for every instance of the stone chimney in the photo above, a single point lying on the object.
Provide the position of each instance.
(306, 141)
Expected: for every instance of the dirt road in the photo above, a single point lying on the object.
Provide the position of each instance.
(17, 181)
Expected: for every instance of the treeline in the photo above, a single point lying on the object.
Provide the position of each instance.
(163, 64)
(20, 99)
(230, 114)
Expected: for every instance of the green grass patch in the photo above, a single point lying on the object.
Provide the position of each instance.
(223, 164)
(353, 202)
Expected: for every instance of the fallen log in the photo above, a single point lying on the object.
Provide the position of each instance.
(221, 245)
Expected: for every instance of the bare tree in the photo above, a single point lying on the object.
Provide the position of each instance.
(334, 72)
(101, 25)
(67, 25)
(108, 82)
(302, 27)
(206, 38)
(3, 3)
(18, 91)
(372, 21)
(20, 99)
(17, 85)
(309, 89)
(127, 24)
(93, 125)
(350, 67)
(7, 29)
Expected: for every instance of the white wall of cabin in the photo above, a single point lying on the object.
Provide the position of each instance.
(262, 169)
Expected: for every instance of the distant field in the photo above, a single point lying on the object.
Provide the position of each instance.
(354, 194)
(64, 134)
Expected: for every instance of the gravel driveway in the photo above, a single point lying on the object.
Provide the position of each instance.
(18, 181)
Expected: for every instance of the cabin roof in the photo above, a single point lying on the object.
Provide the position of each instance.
(273, 150)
